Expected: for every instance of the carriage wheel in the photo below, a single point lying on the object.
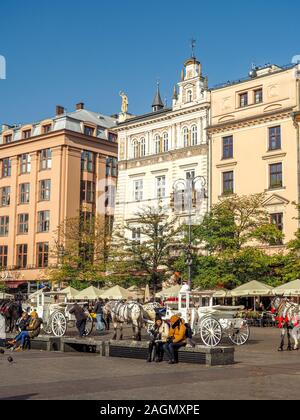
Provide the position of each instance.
(89, 326)
(47, 327)
(58, 324)
(211, 332)
(240, 334)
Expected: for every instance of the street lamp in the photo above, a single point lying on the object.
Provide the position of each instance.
(188, 195)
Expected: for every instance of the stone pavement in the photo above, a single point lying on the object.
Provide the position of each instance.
(260, 372)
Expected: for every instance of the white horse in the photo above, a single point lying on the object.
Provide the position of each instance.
(288, 318)
(130, 313)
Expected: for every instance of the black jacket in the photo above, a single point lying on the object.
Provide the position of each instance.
(98, 309)
(78, 311)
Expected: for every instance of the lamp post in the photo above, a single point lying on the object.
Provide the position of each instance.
(188, 195)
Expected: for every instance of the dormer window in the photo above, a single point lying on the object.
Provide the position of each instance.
(8, 138)
(46, 128)
(26, 134)
(88, 131)
(189, 95)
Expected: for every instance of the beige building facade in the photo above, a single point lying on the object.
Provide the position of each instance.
(50, 171)
(254, 141)
(161, 147)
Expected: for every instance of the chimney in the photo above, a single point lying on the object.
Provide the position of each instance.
(60, 110)
(80, 106)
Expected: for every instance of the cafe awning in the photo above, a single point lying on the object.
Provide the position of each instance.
(252, 289)
(288, 289)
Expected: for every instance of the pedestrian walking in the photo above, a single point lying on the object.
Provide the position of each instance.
(81, 318)
(98, 310)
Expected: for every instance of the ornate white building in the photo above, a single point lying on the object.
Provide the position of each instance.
(159, 148)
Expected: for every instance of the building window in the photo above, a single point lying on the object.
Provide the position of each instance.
(46, 128)
(43, 221)
(22, 251)
(25, 164)
(42, 254)
(110, 196)
(258, 96)
(87, 192)
(138, 189)
(89, 131)
(6, 168)
(23, 224)
(243, 99)
(143, 147)
(189, 95)
(275, 138)
(87, 161)
(4, 225)
(277, 220)
(194, 135)
(26, 134)
(157, 142)
(24, 193)
(135, 147)
(228, 183)
(7, 139)
(276, 176)
(112, 137)
(45, 190)
(3, 256)
(112, 167)
(228, 147)
(46, 159)
(161, 187)
(136, 235)
(190, 174)
(166, 142)
(5, 196)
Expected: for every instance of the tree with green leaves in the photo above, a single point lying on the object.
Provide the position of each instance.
(235, 222)
(81, 250)
(144, 246)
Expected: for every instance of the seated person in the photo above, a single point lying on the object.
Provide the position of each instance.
(24, 321)
(176, 338)
(159, 335)
(31, 331)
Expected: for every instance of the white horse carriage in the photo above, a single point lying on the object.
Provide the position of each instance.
(53, 308)
(211, 322)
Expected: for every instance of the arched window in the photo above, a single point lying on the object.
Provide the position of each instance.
(194, 135)
(189, 95)
(185, 132)
(157, 144)
(143, 147)
(135, 146)
(166, 142)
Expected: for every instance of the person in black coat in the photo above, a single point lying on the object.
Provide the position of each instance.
(81, 318)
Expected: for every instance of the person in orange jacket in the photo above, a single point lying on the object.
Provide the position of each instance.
(176, 338)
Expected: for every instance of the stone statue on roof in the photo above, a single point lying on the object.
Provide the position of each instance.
(124, 107)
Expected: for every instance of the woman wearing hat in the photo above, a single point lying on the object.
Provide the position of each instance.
(159, 334)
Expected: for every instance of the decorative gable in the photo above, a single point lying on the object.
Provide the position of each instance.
(276, 200)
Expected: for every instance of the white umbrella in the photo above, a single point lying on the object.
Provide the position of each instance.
(116, 293)
(288, 289)
(70, 292)
(147, 294)
(171, 292)
(91, 293)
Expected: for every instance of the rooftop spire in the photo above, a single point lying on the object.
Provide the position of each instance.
(157, 102)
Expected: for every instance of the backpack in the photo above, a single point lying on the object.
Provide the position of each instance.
(188, 331)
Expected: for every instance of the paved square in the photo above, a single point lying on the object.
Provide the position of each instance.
(260, 372)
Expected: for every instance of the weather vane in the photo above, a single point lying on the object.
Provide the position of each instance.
(193, 46)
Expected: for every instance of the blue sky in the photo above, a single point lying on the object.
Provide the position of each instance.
(63, 52)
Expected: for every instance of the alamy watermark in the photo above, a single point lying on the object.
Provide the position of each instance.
(2, 67)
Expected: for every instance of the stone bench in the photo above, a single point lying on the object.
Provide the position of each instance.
(82, 345)
(219, 356)
(42, 342)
